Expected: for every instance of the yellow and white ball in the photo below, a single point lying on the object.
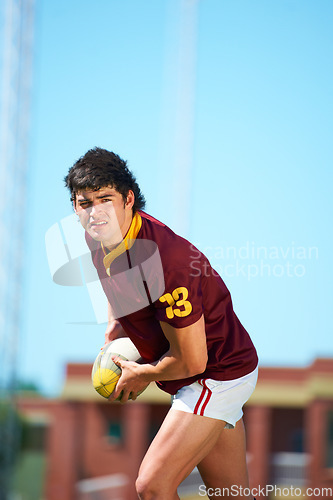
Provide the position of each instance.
(105, 373)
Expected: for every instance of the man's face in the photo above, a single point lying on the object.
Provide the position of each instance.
(104, 214)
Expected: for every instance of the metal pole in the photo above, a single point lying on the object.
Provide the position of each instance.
(185, 114)
(14, 138)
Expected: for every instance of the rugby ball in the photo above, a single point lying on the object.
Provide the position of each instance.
(105, 373)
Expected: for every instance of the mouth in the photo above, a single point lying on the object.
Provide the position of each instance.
(97, 223)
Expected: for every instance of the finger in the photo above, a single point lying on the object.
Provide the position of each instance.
(119, 395)
(124, 397)
(107, 342)
(118, 361)
(115, 394)
(133, 396)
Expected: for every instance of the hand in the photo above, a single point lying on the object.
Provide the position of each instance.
(131, 383)
(113, 331)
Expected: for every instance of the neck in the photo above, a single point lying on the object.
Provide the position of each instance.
(124, 231)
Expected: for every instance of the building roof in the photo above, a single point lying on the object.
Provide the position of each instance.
(277, 386)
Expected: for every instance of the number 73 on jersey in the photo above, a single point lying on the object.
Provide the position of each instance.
(178, 305)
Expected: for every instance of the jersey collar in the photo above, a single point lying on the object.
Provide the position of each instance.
(126, 244)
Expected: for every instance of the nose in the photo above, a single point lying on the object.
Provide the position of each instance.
(94, 209)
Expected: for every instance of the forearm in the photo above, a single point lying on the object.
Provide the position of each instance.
(170, 367)
(186, 357)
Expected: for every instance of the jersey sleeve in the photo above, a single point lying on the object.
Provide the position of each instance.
(181, 303)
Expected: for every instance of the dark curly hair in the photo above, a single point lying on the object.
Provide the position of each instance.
(100, 168)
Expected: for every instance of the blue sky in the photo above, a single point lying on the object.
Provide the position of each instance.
(258, 197)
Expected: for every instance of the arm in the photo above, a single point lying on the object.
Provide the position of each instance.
(187, 356)
(114, 329)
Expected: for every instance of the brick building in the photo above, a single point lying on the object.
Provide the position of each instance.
(94, 448)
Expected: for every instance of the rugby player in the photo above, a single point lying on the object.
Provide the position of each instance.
(193, 345)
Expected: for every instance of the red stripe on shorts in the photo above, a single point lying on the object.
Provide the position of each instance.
(207, 398)
(204, 398)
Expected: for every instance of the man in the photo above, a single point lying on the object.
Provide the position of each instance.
(179, 315)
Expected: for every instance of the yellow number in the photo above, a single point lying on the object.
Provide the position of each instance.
(182, 302)
(179, 298)
(170, 300)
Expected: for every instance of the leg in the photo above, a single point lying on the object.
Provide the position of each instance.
(181, 443)
(225, 465)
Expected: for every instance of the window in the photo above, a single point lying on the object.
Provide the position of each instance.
(115, 432)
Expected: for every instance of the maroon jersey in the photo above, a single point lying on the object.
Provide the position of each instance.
(155, 275)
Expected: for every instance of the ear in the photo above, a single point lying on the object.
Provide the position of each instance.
(130, 199)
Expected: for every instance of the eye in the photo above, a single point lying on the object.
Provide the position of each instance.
(105, 200)
(84, 204)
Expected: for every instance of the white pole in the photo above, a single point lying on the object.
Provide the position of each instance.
(175, 162)
(185, 115)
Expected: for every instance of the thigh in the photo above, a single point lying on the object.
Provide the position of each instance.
(181, 443)
(224, 465)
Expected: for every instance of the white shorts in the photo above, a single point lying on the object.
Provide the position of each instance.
(218, 399)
